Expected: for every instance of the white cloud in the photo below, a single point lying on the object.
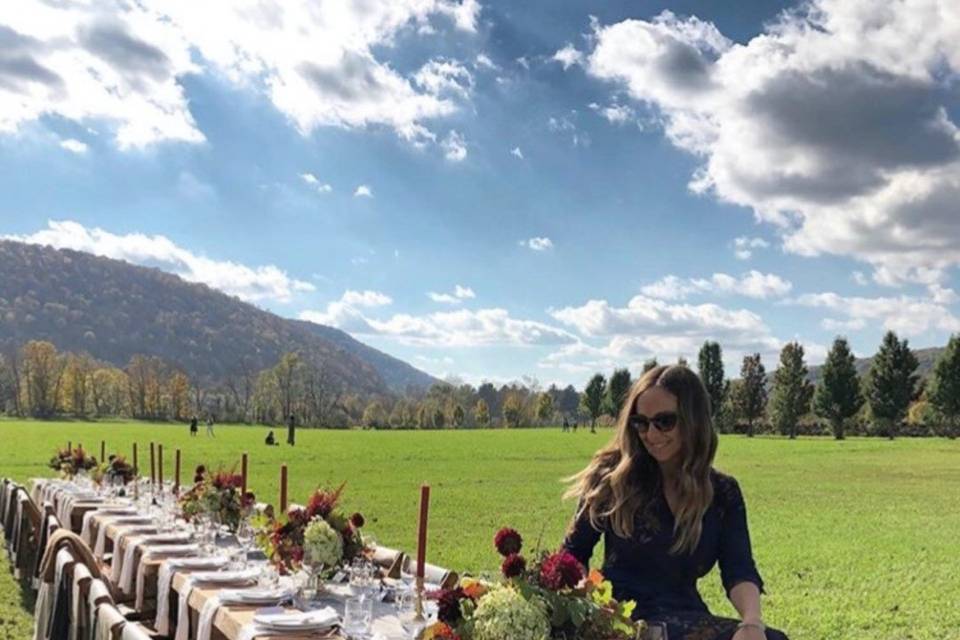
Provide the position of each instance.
(74, 146)
(859, 278)
(517, 152)
(568, 56)
(564, 124)
(537, 243)
(743, 246)
(615, 113)
(752, 284)
(833, 125)
(461, 328)
(907, 315)
(365, 298)
(439, 77)
(648, 327)
(454, 147)
(459, 294)
(193, 188)
(483, 61)
(843, 326)
(363, 191)
(124, 63)
(314, 182)
(247, 283)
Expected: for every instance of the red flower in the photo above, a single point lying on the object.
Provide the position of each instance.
(323, 502)
(507, 541)
(357, 520)
(297, 517)
(513, 565)
(560, 570)
(448, 606)
(444, 632)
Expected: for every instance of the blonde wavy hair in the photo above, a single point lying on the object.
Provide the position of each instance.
(622, 479)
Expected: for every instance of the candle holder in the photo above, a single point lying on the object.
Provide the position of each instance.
(419, 600)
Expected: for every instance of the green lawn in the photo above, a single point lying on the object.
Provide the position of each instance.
(855, 539)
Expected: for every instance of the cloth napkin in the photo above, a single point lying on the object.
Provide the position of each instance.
(120, 553)
(327, 616)
(156, 553)
(165, 579)
(101, 546)
(85, 532)
(233, 578)
(126, 573)
(227, 597)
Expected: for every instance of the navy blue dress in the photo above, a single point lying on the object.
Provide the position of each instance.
(663, 585)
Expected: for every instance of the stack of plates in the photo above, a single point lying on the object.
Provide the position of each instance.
(224, 577)
(258, 596)
(292, 621)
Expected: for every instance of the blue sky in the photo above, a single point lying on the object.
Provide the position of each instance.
(494, 190)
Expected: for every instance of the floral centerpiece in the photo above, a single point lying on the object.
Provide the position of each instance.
(70, 462)
(318, 537)
(116, 468)
(551, 598)
(217, 495)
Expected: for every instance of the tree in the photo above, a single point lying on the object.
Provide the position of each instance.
(791, 390)
(76, 383)
(482, 413)
(513, 409)
(288, 373)
(568, 401)
(752, 396)
(710, 364)
(891, 382)
(837, 397)
(43, 371)
(544, 407)
(943, 391)
(593, 398)
(650, 364)
(617, 391)
(458, 416)
(439, 418)
(374, 416)
(179, 389)
(423, 417)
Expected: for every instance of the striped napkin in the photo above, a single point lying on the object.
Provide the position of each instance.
(165, 579)
(129, 554)
(232, 578)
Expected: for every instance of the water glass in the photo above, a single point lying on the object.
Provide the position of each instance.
(358, 615)
(656, 631)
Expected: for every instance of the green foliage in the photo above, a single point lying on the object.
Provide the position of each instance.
(593, 397)
(544, 407)
(617, 390)
(791, 392)
(944, 389)
(900, 496)
(482, 413)
(439, 418)
(458, 416)
(710, 364)
(649, 364)
(891, 382)
(374, 416)
(837, 396)
(751, 398)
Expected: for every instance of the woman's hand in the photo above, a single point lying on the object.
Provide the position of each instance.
(749, 633)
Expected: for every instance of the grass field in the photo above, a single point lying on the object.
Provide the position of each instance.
(856, 539)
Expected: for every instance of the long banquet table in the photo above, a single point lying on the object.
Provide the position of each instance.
(93, 519)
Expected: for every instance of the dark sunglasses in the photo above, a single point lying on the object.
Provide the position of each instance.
(664, 422)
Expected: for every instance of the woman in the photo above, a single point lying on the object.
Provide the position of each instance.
(666, 515)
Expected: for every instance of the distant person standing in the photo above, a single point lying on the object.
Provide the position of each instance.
(193, 426)
(291, 430)
(210, 427)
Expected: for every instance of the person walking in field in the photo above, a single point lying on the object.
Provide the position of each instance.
(193, 426)
(291, 430)
(662, 509)
(210, 427)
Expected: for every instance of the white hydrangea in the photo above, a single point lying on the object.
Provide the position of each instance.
(503, 614)
(322, 544)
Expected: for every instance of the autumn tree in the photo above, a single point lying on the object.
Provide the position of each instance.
(482, 413)
(43, 370)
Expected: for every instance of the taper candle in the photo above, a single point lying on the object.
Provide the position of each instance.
(160, 466)
(283, 488)
(176, 478)
(243, 474)
(153, 465)
(422, 530)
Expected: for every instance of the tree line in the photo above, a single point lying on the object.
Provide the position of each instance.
(39, 381)
(890, 399)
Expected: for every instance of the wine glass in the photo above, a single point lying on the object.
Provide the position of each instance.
(407, 614)
(245, 538)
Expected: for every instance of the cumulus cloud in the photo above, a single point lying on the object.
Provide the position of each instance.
(516, 152)
(752, 284)
(568, 56)
(461, 328)
(313, 181)
(649, 327)
(363, 191)
(905, 314)
(615, 113)
(459, 294)
(454, 147)
(537, 243)
(252, 284)
(124, 63)
(74, 146)
(743, 246)
(834, 125)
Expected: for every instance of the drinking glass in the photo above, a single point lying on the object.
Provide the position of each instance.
(358, 616)
(245, 538)
(407, 614)
(656, 631)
